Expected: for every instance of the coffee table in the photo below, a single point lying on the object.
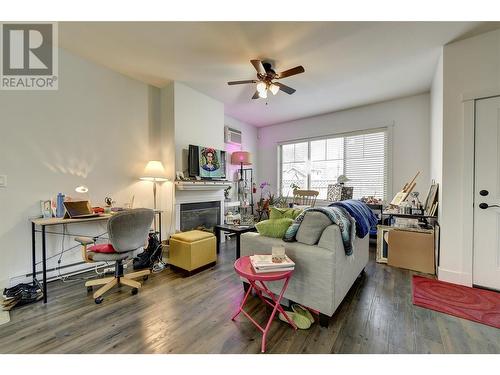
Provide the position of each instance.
(244, 268)
(236, 229)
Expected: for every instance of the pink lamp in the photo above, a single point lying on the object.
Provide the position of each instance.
(241, 158)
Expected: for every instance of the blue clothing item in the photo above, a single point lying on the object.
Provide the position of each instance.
(362, 214)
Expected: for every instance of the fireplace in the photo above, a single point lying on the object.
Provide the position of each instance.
(199, 215)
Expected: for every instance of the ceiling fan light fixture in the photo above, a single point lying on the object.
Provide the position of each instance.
(274, 88)
(263, 94)
(261, 87)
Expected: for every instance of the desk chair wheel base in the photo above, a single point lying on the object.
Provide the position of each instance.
(90, 289)
(128, 231)
(134, 291)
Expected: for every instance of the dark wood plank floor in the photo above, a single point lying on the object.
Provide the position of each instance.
(172, 314)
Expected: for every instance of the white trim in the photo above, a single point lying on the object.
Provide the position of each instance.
(480, 94)
(389, 155)
(193, 196)
(469, 113)
(468, 188)
(455, 277)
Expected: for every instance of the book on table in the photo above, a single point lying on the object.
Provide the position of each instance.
(264, 263)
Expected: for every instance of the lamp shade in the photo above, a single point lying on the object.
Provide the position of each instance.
(154, 171)
(241, 157)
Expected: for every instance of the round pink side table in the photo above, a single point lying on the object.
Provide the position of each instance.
(244, 268)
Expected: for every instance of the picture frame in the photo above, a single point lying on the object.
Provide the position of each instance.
(431, 198)
(382, 245)
(46, 208)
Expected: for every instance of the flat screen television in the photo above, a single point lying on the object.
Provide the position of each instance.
(207, 162)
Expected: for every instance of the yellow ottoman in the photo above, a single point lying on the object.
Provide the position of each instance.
(193, 250)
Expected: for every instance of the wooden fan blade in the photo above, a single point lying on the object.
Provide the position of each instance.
(256, 95)
(285, 88)
(257, 64)
(241, 82)
(291, 72)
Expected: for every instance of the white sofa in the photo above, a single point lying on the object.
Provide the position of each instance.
(323, 273)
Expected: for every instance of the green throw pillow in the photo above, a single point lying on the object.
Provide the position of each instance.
(282, 213)
(273, 228)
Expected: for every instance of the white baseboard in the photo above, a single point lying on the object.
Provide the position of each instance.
(455, 277)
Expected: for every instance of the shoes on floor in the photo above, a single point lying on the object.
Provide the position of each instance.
(300, 320)
(296, 308)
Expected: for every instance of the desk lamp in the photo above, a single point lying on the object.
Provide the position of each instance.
(241, 158)
(155, 173)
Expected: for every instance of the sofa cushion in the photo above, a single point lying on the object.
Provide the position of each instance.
(281, 213)
(273, 228)
(313, 225)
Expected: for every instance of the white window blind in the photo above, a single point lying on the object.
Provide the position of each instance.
(316, 163)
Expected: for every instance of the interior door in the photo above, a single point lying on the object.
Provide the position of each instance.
(486, 263)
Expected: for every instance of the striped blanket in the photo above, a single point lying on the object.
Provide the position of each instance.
(338, 216)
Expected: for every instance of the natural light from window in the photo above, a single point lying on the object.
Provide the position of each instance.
(315, 164)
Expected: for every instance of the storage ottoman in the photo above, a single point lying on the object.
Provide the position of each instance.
(194, 250)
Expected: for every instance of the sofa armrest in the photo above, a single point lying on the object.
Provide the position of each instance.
(331, 239)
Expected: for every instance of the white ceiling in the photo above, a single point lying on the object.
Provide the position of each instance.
(347, 64)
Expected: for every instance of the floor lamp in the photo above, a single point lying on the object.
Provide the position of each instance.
(241, 158)
(155, 173)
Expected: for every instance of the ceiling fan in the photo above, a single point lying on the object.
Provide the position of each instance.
(265, 79)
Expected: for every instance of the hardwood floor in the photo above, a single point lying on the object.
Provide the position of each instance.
(172, 314)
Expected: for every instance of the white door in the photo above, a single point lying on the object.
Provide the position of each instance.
(486, 269)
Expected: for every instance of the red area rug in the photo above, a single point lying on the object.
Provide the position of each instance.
(474, 304)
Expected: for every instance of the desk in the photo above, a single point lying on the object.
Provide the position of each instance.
(43, 223)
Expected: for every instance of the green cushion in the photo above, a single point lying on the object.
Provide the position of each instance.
(282, 213)
(273, 228)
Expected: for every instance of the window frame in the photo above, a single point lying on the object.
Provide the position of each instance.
(388, 160)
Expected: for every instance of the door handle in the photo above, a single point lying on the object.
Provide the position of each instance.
(484, 206)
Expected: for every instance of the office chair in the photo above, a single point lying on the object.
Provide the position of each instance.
(128, 231)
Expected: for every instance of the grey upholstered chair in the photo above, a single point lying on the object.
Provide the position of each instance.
(128, 232)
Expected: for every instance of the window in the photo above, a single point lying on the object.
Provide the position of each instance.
(314, 164)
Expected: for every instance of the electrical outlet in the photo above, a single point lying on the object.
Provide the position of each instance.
(3, 180)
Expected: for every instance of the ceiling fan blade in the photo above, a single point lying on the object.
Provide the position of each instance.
(257, 64)
(242, 82)
(256, 95)
(285, 88)
(291, 72)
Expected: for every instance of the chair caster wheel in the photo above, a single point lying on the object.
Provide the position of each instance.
(90, 289)
(145, 277)
(134, 291)
(98, 300)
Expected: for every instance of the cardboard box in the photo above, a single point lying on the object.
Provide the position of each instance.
(411, 250)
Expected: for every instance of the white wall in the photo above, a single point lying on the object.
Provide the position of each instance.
(99, 129)
(249, 143)
(436, 131)
(409, 117)
(470, 66)
(199, 120)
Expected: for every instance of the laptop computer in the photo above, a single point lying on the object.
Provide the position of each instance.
(78, 210)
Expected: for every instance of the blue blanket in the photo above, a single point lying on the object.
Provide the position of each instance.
(338, 215)
(362, 214)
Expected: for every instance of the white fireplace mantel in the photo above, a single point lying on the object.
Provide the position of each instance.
(195, 196)
(202, 185)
